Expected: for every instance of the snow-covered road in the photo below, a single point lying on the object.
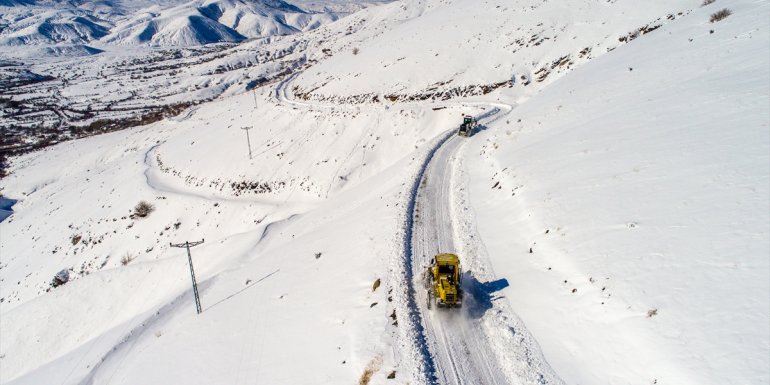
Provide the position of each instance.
(460, 342)
(456, 340)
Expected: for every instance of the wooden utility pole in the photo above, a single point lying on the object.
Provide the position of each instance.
(247, 138)
(188, 245)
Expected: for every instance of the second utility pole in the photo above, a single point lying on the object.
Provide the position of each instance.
(188, 245)
(247, 138)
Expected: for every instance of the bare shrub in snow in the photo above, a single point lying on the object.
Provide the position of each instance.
(719, 15)
(355, 51)
(126, 259)
(143, 209)
(75, 239)
(373, 366)
(707, 2)
(366, 377)
(652, 312)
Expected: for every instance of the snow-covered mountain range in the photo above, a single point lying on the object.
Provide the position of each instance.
(611, 211)
(158, 23)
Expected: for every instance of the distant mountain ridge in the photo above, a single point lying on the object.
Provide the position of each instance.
(159, 23)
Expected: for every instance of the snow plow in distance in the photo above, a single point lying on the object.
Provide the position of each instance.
(466, 128)
(442, 281)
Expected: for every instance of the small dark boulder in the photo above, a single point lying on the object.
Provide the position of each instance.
(60, 278)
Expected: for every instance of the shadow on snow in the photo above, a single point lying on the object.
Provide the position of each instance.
(480, 295)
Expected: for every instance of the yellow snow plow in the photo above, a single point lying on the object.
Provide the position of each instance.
(442, 281)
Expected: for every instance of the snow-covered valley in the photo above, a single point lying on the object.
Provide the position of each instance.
(611, 211)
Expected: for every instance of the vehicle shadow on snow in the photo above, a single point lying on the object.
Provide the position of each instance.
(478, 129)
(480, 295)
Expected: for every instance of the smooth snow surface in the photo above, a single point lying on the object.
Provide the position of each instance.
(612, 212)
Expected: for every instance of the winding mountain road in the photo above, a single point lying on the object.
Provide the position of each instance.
(456, 345)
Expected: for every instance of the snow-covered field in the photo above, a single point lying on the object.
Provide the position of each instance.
(612, 211)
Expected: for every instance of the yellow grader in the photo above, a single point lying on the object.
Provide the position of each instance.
(442, 281)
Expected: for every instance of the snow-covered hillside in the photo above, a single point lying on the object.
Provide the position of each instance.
(628, 205)
(316, 287)
(611, 211)
(428, 50)
(80, 68)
